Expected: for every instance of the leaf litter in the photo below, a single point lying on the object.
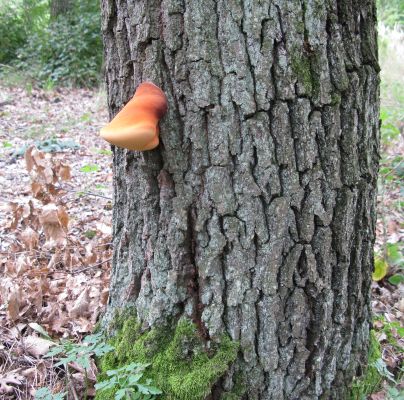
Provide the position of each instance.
(54, 274)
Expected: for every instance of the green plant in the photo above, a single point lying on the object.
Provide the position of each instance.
(391, 12)
(99, 186)
(80, 353)
(381, 367)
(395, 394)
(395, 258)
(18, 20)
(389, 128)
(129, 383)
(68, 50)
(45, 394)
(12, 32)
(396, 279)
(371, 379)
(90, 168)
(391, 257)
(393, 331)
(104, 152)
(48, 146)
(381, 268)
(90, 234)
(86, 117)
(49, 84)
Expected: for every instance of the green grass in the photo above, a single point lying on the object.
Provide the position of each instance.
(376, 376)
(371, 380)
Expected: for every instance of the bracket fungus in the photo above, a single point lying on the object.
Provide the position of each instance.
(135, 127)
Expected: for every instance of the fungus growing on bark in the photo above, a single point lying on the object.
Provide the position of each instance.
(135, 127)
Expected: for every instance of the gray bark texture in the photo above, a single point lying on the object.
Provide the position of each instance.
(255, 216)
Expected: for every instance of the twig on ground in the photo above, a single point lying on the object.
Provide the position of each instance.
(83, 193)
(83, 269)
(90, 267)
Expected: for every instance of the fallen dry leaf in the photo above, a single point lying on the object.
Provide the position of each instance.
(30, 238)
(64, 172)
(80, 307)
(400, 305)
(8, 379)
(54, 221)
(29, 372)
(378, 396)
(14, 303)
(22, 264)
(37, 346)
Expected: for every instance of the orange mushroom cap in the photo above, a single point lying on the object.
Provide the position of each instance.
(135, 127)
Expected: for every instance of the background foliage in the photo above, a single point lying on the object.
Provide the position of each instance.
(66, 50)
(391, 12)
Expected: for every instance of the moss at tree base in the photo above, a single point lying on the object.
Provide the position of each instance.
(370, 381)
(182, 365)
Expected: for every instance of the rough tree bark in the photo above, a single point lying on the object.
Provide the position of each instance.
(255, 216)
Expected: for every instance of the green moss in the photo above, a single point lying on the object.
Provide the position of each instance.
(121, 317)
(181, 365)
(238, 391)
(301, 68)
(335, 99)
(230, 396)
(370, 381)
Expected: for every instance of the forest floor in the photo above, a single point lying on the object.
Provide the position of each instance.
(55, 230)
(55, 233)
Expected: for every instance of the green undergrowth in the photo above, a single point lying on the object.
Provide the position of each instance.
(238, 390)
(372, 378)
(182, 365)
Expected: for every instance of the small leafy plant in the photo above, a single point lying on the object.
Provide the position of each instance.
(130, 383)
(81, 353)
(390, 257)
(381, 367)
(90, 168)
(393, 332)
(45, 394)
(395, 394)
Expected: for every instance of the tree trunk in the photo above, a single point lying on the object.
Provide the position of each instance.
(59, 7)
(255, 216)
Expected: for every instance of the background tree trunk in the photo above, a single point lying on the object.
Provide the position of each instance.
(255, 217)
(59, 7)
